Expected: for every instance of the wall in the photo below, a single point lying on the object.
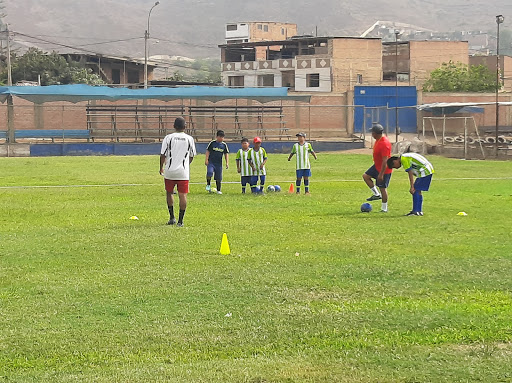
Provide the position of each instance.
(326, 117)
(353, 56)
(425, 56)
(487, 119)
(274, 31)
(490, 62)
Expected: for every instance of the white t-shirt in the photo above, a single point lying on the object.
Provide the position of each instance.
(178, 148)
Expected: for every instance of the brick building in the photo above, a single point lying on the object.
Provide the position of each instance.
(414, 60)
(304, 64)
(505, 68)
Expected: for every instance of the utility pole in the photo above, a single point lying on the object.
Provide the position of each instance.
(499, 20)
(146, 49)
(10, 104)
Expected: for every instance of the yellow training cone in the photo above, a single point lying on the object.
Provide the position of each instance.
(224, 246)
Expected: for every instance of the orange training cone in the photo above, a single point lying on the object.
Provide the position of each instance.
(290, 190)
(224, 245)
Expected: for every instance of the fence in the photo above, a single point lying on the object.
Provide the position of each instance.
(151, 121)
(465, 137)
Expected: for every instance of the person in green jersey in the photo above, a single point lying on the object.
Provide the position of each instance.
(242, 164)
(257, 160)
(302, 149)
(416, 166)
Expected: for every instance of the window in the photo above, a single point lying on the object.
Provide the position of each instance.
(133, 77)
(313, 80)
(231, 27)
(266, 80)
(265, 28)
(236, 81)
(260, 26)
(282, 31)
(359, 78)
(116, 76)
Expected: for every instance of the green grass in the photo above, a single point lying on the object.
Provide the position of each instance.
(317, 291)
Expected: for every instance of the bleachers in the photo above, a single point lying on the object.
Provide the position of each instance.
(237, 122)
(131, 122)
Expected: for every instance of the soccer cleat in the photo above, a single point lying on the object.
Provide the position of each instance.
(219, 192)
(180, 224)
(208, 188)
(374, 198)
(383, 211)
(411, 213)
(171, 221)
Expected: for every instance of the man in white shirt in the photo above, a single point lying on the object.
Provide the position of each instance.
(178, 151)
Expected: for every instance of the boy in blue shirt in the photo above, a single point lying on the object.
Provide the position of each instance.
(213, 161)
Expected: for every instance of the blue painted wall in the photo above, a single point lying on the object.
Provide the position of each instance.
(135, 149)
(383, 97)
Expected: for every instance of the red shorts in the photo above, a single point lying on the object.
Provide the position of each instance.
(182, 185)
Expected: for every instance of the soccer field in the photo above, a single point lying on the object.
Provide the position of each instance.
(313, 291)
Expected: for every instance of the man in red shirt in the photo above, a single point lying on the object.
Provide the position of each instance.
(379, 170)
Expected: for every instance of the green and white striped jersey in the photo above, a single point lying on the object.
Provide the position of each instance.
(243, 156)
(302, 153)
(417, 164)
(257, 158)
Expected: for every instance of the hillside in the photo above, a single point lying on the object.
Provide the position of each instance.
(194, 28)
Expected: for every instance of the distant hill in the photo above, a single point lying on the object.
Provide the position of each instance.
(194, 28)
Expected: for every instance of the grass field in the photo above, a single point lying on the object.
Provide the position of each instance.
(314, 290)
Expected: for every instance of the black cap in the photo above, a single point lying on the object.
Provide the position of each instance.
(377, 129)
(300, 134)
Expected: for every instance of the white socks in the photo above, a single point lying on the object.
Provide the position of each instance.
(384, 206)
(375, 191)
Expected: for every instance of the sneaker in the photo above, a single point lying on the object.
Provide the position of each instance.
(420, 213)
(219, 192)
(411, 213)
(208, 188)
(171, 221)
(374, 198)
(307, 193)
(180, 224)
(383, 211)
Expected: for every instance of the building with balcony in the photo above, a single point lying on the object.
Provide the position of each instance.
(303, 64)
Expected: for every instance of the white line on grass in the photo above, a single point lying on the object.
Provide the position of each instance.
(235, 182)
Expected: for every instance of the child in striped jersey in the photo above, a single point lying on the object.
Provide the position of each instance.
(257, 160)
(302, 150)
(242, 164)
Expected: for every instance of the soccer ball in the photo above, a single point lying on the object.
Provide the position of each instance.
(277, 188)
(366, 207)
(271, 188)
(214, 190)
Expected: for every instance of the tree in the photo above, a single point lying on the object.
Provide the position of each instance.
(459, 77)
(52, 68)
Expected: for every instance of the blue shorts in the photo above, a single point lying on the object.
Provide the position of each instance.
(373, 172)
(245, 180)
(423, 183)
(303, 173)
(216, 169)
(254, 180)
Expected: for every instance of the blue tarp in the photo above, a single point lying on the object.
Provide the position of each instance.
(79, 92)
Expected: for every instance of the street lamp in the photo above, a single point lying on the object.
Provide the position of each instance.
(397, 33)
(499, 20)
(146, 38)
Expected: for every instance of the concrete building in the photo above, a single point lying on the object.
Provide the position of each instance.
(304, 64)
(505, 68)
(414, 60)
